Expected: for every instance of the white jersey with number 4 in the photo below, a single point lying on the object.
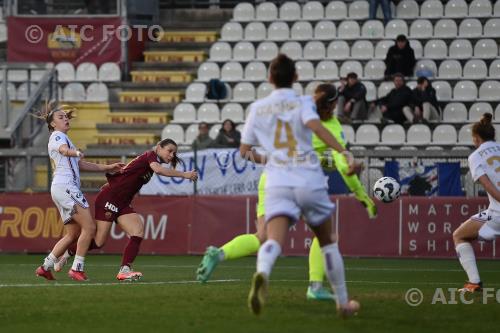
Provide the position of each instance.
(66, 170)
(277, 124)
(485, 160)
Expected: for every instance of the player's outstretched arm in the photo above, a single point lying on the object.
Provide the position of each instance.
(250, 154)
(95, 167)
(66, 151)
(489, 187)
(324, 134)
(158, 169)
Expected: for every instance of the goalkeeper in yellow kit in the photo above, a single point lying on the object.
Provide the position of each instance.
(248, 244)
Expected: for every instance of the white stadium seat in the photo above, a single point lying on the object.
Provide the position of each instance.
(480, 8)
(456, 8)
(244, 92)
(431, 9)
(232, 71)
(444, 135)
(231, 31)
(325, 30)
(372, 29)
(362, 49)
(86, 72)
(338, 50)
(396, 27)
(305, 70)
(65, 72)
(243, 51)
(22, 93)
(425, 64)
(214, 131)
(185, 113)
(290, 11)
(11, 90)
(302, 30)
(417, 48)
(255, 31)
(418, 134)
(292, 50)
(374, 69)
(264, 89)
(470, 28)
(384, 88)
(460, 49)
(421, 29)
(465, 91)
(196, 92)
(486, 48)
(358, 10)
(477, 110)
(497, 115)
(367, 134)
(450, 69)
(348, 133)
(475, 69)
(17, 75)
(371, 91)
(465, 135)
(494, 71)
(496, 9)
(74, 92)
(489, 90)
(97, 92)
(443, 90)
(208, 71)
(191, 134)
(382, 47)
(109, 72)
(313, 11)
(455, 113)
(267, 51)
(208, 112)
(266, 11)
(278, 31)
(393, 134)
(233, 111)
(174, 132)
(336, 10)
(310, 87)
(435, 49)
(492, 27)
(297, 87)
(407, 9)
(326, 70)
(314, 50)
(244, 12)
(351, 66)
(445, 28)
(255, 71)
(348, 30)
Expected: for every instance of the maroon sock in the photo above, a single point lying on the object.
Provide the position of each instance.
(131, 250)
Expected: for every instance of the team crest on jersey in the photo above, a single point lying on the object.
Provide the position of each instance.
(58, 138)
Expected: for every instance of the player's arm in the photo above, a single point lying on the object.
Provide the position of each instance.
(95, 167)
(250, 154)
(158, 169)
(489, 187)
(66, 151)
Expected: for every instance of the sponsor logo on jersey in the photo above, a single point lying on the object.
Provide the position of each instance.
(111, 207)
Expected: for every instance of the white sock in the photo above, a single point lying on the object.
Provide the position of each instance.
(268, 253)
(334, 269)
(78, 264)
(222, 255)
(66, 255)
(49, 261)
(468, 260)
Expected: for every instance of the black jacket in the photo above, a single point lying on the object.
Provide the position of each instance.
(227, 140)
(395, 100)
(427, 95)
(400, 61)
(356, 92)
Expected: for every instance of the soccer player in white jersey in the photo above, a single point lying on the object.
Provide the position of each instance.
(66, 194)
(282, 124)
(484, 164)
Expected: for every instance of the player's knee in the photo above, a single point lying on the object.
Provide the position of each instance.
(457, 236)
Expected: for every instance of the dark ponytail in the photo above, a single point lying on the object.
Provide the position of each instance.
(324, 96)
(176, 160)
(484, 129)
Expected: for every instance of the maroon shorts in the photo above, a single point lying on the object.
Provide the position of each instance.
(108, 208)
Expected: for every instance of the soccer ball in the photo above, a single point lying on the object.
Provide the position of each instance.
(386, 189)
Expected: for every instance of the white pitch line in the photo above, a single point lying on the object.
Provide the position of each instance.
(98, 284)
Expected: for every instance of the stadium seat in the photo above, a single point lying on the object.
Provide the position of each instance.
(477, 110)
(174, 132)
(244, 12)
(358, 10)
(233, 111)
(407, 9)
(374, 69)
(460, 49)
(255, 71)
(382, 47)
(411, 84)
(426, 65)
(371, 91)
(367, 134)
(310, 87)
(65, 72)
(455, 113)
(372, 29)
(384, 88)
(302, 30)
(278, 31)
(11, 90)
(480, 8)
(470, 28)
(86, 72)
(444, 135)
(232, 31)
(314, 50)
(264, 89)
(191, 134)
(16, 75)
(232, 71)
(348, 30)
(196, 92)
(465, 91)
(489, 90)
(338, 50)
(74, 92)
(494, 71)
(313, 11)
(421, 29)
(492, 27)
(208, 112)
(431, 9)
(290, 11)
(214, 131)
(456, 8)
(109, 72)
(445, 28)
(244, 92)
(97, 92)
(22, 93)
(267, 51)
(348, 133)
(396, 27)
(185, 113)
(443, 90)
(266, 11)
(255, 31)
(297, 87)
(486, 48)
(450, 69)
(393, 134)
(465, 135)
(497, 115)
(351, 66)
(362, 49)
(435, 49)
(292, 49)
(208, 71)
(496, 9)
(475, 69)
(305, 70)
(325, 30)
(37, 74)
(418, 50)
(418, 134)
(243, 51)
(336, 10)
(326, 70)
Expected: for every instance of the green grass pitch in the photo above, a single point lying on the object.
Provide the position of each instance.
(170, 300)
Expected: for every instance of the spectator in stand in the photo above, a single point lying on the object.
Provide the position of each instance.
(425, 102)
(395, 106)
(386, 9)
(203, 140)
(228, 137)
(400, 58)
(352, 99)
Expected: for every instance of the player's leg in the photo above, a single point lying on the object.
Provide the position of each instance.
(316, 291)
(88, 228)
(354, 185)
(134, 227)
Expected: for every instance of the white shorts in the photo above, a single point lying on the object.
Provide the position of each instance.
(66, 197)
(315, 204)
(491, 227)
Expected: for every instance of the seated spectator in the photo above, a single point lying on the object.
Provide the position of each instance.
(352, 100)
(228, 137)
(425, 102)
(400, 58)
(395, 106)
(203, 140)
(386, 9)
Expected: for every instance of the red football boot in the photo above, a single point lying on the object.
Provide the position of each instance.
(77, 275)
(43, 273)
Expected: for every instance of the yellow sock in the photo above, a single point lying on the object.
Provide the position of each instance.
(316, 269)
(241, 246)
